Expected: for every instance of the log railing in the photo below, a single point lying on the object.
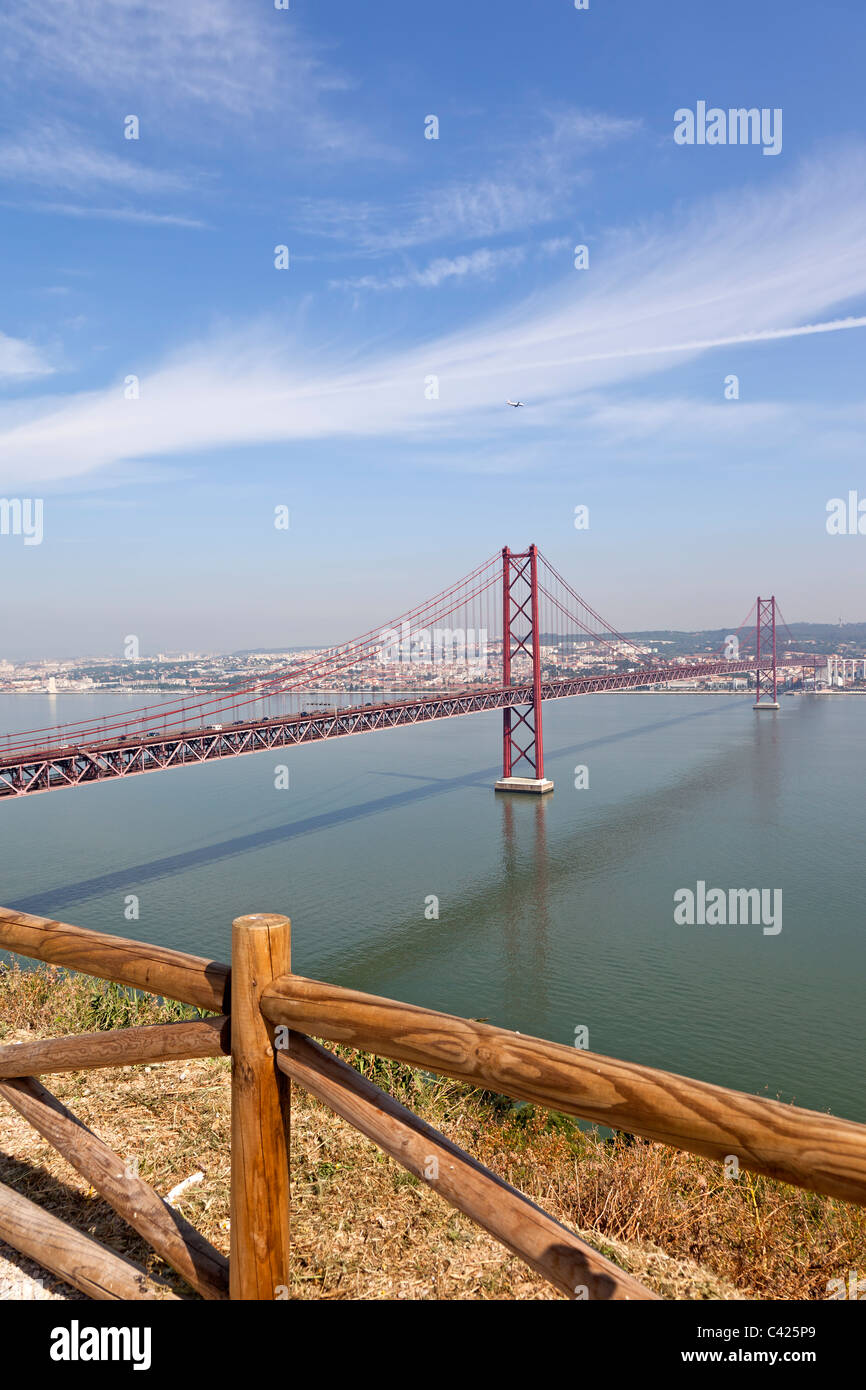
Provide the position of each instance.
(263, 1016)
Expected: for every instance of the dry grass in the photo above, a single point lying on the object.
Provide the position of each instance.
(365, 1229)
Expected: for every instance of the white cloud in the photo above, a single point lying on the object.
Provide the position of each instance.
(581, 129)
(762, 263)
(204, 49)
(20, 360)
(53, 155)
(120, 214)
(229, 60)
(677, 421)
(464, 210)
(483, 263)
(530, 182)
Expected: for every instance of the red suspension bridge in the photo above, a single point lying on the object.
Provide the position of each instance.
(517, 634)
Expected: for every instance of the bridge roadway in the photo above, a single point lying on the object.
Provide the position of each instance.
(27, 772)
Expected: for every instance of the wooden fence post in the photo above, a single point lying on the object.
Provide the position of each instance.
(259, 1261)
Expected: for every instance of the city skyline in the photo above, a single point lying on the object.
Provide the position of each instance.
(275, 651)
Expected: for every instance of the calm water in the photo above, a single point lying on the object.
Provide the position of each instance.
(552, 913)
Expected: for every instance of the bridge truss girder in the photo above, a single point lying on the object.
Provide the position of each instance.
(79, 766)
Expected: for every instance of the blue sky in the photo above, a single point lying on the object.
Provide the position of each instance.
(412, 257)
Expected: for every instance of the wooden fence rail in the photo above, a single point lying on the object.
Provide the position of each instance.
(119, 1047)
(155, 969)
(550, 1248)
(801, 1147)
(263, 1016)
(73, 1256)
(169, 1233)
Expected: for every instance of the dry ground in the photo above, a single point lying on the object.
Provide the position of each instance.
(365, 1229)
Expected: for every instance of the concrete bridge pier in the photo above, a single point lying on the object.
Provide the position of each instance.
(536, 785)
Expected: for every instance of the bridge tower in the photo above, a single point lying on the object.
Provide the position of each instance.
(765, 668)
(522, 742)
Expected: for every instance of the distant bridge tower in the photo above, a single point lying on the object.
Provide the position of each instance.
(522, 742)
(765, 668)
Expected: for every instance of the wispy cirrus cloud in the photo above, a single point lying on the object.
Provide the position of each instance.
(20, 360)
(584, 130)
(468, 210)
(230, 61)
(55, 156)
(204, 51)
(484, 263)
(529, 182)
(738, 270)
(117, 214)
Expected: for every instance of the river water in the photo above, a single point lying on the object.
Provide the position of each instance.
(554, 914)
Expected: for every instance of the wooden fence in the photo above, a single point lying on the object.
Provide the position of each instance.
(263, 1016)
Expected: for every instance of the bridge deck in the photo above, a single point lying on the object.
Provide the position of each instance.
(32, 770)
